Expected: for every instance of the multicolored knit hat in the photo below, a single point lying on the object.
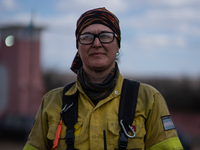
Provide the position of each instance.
(95, 16)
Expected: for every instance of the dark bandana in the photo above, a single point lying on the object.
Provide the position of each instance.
(76, 64)
(98, 91)
(95, 16)
(99, 16)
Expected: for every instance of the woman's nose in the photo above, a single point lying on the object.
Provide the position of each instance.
(97, 42)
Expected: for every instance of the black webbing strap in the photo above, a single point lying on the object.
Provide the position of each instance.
(70, 115)
(127, 108)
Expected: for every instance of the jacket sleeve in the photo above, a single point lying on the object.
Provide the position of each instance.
(37, 139)
(161, 132)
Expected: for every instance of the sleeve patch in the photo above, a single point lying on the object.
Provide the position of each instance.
(167, 123)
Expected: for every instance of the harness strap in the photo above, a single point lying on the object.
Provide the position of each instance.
(127, 109)
(70, 115)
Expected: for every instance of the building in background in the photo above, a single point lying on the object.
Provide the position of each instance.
(21, 83)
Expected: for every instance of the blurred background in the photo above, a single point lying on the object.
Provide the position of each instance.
(160, 46)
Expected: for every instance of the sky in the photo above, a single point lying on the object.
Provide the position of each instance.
(159, 38)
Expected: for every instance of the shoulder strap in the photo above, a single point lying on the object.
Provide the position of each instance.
(127, 108)
(70, 115)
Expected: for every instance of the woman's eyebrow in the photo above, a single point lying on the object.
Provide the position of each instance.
(86, 33)
(104, 31)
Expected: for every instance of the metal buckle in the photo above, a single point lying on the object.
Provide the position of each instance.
(69, 138)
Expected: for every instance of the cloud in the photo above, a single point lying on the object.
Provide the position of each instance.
(153, 28)
(81, 6)
(160, 41)
(156, 26)
(149, 28)
(168, 3)
(7, 5)
(178, 3)
(162, 17)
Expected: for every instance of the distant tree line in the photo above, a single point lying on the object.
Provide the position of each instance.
(180, 94)
(54, 80)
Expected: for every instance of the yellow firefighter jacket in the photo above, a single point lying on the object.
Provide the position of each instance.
(153, 126)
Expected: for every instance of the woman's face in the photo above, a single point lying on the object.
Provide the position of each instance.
(98, 56)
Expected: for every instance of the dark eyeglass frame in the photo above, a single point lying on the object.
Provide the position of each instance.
(97, 35)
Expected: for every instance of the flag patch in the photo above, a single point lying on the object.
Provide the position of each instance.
(167, 123)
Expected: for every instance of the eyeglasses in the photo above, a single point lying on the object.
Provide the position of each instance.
(104, 37)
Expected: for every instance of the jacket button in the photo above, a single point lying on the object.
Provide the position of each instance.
(116, 92)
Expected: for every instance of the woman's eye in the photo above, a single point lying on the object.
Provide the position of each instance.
(86, 37)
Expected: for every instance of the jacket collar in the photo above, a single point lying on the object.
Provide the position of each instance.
(115, 93)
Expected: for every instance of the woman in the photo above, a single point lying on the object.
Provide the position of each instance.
(99, 86)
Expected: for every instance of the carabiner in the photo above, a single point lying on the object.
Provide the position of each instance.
(130, 136)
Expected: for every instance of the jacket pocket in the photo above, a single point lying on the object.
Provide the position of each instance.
(112, 134)
(52, 131)
(138, 141)
(113, 127)
(133, 143)
(139, 127)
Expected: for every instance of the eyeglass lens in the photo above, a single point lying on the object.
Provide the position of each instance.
(88, 38)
